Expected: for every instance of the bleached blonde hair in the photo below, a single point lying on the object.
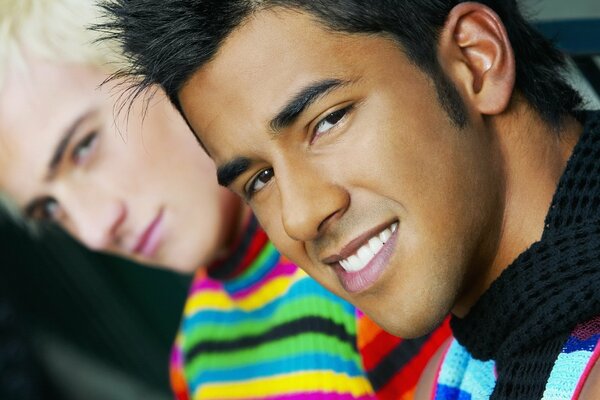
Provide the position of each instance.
(55, 31)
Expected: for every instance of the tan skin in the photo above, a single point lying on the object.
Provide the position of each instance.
(376, 148)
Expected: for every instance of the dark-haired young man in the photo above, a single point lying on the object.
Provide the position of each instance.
(416, 158)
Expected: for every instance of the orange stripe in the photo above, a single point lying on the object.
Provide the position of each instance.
(367, 331)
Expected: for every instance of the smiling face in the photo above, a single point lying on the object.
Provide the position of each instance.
(140, 189)
(351, 165)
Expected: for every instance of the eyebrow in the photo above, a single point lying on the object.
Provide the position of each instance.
(63, 143)
(302, 100)
(230, 171)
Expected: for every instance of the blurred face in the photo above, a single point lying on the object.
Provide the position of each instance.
(353, 168)
(141, 188)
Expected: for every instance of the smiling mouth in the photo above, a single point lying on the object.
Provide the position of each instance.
(365, 254)
(363, 261)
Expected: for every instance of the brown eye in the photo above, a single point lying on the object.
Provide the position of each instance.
(45, 209)
(330, 121)
(260, 181)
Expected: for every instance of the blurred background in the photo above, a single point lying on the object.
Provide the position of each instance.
(79, 325)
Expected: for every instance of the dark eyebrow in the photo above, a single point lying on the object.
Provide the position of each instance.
(229, 172)
(303, 99)
(63, 143)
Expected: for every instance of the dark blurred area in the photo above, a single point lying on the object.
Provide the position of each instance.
(79, 325)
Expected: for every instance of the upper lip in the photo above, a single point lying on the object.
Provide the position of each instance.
(145, 235)
(355, 244)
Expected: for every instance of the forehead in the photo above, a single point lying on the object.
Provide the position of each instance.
(264, 63)
(38, 102)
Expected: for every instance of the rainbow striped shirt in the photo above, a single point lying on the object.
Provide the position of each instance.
(257, 327)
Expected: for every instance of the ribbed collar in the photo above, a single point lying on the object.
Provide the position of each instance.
(243, 252)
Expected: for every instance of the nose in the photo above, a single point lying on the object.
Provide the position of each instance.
(309, 202)
(95, 221)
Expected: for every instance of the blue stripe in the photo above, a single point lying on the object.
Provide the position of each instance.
(574, 344)
(261, 271)
(300, 363)
(302, 288)
(444, 392)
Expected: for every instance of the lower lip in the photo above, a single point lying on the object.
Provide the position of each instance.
(359, 281)
(152, 238)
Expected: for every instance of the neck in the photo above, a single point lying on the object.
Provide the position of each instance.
(534, 156)
(238, 215)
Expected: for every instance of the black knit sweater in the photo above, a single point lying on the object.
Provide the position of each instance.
(526, 315)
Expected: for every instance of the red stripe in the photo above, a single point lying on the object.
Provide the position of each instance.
(378, 348)
(406, 379)
(258, 243)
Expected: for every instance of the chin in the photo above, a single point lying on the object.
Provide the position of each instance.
(183, 268)
(409, 327)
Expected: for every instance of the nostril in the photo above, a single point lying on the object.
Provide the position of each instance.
(326, 221)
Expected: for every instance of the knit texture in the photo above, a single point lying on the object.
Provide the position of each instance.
(463, 377)
(525, 317)
(269, 333)
(257, 327)
(574, 363)
(395, 365)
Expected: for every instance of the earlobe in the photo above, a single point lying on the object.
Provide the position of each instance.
(475, 52)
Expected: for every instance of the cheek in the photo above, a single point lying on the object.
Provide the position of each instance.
(292, 249)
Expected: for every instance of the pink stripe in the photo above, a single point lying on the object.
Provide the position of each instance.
(280, 270)
(206, 284)
(320, 395)
(176, 356)
(588, 369)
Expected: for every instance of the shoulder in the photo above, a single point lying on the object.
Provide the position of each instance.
(428, 379)
(591, 387)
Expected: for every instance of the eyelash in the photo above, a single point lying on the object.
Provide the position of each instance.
(40, 210)
(48, 208)
(249, 192)
(339, 114)
(86, 145)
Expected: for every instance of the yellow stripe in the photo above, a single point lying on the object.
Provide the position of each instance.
(219, 300)
(321, 381)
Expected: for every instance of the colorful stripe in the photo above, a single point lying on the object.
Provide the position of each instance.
(269, 331)
(393, 365)
(574, 364)
(463, 377)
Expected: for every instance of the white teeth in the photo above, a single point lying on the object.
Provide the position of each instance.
(385, 235)
(375, 244)
(365, 253)
(354, 263)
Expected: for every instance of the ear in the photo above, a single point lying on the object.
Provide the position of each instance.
(476, 54)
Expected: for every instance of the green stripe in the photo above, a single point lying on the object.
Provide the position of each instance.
(255, 265)
(288, 347)
(313, 305)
